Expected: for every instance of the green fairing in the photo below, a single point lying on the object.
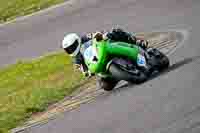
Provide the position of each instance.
(107, 49)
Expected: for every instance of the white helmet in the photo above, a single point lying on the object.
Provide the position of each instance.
(71, 44)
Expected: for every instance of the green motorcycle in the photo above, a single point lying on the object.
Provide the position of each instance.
(123, 61)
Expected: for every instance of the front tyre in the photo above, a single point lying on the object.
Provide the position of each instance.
(108, 84)
(122, 74)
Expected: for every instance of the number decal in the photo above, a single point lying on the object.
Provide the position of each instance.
(141, 60)
(89, 54)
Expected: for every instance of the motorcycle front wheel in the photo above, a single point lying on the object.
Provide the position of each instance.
(122, 74)
(108, 84)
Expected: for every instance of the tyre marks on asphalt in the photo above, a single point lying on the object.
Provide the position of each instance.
(165, 42)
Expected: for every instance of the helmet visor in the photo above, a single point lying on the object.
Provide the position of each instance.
(72, 48)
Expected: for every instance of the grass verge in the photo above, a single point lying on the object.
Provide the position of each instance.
(28, 87)
(10, 9)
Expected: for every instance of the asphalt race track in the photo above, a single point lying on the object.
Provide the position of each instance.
(168, 103)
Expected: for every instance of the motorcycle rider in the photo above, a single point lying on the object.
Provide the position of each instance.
(74, 45)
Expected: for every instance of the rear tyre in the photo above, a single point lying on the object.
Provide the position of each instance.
(164, 62)
(122, 74)
(158, 60)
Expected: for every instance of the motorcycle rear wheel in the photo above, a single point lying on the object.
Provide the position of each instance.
(158, 59)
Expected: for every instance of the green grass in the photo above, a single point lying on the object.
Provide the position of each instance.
(10, 9)
(28, 87)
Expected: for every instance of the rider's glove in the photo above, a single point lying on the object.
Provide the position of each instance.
(142, 43)
(98, 36)
(88, 74)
